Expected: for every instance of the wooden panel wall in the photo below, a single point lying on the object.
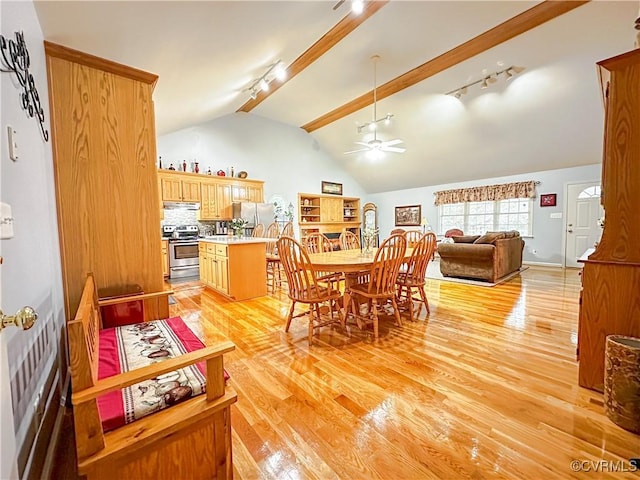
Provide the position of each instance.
(103, 133)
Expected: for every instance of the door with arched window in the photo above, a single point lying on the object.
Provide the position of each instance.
(584, 218)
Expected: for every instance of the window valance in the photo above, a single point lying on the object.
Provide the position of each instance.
(487, 193)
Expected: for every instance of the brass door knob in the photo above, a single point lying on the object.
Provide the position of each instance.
(24, 318)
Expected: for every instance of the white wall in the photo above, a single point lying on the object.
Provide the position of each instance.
(30, 273)
(547, 232)
(287, 158)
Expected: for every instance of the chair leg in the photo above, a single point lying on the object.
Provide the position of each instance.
(311, 310)
(290, 317)
(423, 295)
(374, 307)
(396, 312)
(410, 300)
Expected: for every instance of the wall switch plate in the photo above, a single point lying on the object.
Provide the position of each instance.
(555, 215)
(6, 221)
(13, 143)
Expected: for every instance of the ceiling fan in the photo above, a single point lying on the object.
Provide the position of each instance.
(375, 146)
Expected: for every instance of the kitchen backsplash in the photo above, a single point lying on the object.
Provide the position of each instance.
(179, 216)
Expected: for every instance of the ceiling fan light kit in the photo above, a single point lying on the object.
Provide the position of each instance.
(486, 79)
(375, 147)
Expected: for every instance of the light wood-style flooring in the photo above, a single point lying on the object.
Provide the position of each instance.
(485, 387)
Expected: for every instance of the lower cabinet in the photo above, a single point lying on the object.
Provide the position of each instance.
(236, 270)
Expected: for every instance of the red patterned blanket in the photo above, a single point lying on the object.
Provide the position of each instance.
(133, 346)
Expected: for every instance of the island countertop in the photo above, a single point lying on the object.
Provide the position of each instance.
(233, 240)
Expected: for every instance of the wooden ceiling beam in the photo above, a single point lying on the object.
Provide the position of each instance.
(340, 30)
(507, 30)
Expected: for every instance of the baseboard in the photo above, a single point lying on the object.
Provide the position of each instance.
(543, 264)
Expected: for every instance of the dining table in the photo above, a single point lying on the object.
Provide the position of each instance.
(352, 263)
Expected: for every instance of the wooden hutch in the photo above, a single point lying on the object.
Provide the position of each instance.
(610, 297)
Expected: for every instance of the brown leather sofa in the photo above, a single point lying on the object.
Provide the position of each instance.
(488, 257)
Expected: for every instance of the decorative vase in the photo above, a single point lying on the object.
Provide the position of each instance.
(367, 241)
(238, 232)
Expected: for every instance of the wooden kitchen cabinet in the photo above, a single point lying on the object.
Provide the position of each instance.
(611, 275)
(247, 192)
(175, 188)
(331, 210)
(234, 269)
(215, 194)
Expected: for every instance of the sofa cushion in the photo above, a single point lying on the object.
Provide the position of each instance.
(490, 237)
(465, 238)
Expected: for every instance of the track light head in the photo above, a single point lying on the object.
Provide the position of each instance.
(280, 71)
(357, 6)
(264, 86)
(254, 94)
(484, 83)
(508, 75)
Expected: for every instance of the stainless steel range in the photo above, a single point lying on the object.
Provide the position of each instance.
(183, 250)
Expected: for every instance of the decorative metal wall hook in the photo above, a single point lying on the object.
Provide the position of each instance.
(15, 58)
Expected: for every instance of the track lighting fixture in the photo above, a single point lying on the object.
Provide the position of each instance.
(275, 70)
(486, 79)
(373, 125)
(357, 6)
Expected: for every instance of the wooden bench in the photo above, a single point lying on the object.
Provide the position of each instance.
(191, 439)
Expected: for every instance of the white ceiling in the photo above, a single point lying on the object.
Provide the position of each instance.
(205, 53)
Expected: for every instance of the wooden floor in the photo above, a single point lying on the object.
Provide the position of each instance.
(485, 387)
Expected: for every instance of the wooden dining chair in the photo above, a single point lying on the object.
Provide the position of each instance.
(287, 230)
(380, 284)
(274, 273)
(258, 230)
(318, 243)
(412, 236)
(413, 277)
(398, 231)
(349, 240)
(304, 286)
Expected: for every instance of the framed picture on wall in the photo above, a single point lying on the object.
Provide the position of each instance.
(548, 200)
(332, 188)
(408, 216)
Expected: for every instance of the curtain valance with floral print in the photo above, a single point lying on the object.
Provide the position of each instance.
(487, 193)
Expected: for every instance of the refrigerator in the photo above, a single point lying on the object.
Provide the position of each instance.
(254, 213)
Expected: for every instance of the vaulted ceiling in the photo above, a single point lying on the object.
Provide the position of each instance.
(207, 53)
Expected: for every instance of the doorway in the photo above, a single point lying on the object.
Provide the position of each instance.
(582, 229)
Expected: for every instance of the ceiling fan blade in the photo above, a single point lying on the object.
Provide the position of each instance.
(357, 151)
(392, 142)
(366, 144)
(394, 149)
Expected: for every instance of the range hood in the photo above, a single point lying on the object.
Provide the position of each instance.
(181, 205)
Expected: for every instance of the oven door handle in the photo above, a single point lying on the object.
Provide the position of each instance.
(188, 267)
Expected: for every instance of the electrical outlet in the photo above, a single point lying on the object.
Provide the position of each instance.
(13, 143)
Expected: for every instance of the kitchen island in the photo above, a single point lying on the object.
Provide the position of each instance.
(234, 266)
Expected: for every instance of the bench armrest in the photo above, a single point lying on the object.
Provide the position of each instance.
(126, 379)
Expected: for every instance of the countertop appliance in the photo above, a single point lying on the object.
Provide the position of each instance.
(184, 260)
(254, 213)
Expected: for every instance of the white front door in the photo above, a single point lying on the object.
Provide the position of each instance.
(582, 229)
(8, 464)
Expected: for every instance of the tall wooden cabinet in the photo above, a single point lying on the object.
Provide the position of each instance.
(328, 214)
(610, 299)
(104, 152)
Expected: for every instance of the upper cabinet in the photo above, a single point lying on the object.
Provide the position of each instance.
(175, 188)
(215, 194)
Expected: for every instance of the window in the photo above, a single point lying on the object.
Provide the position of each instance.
(590, 192)
(476, 218)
